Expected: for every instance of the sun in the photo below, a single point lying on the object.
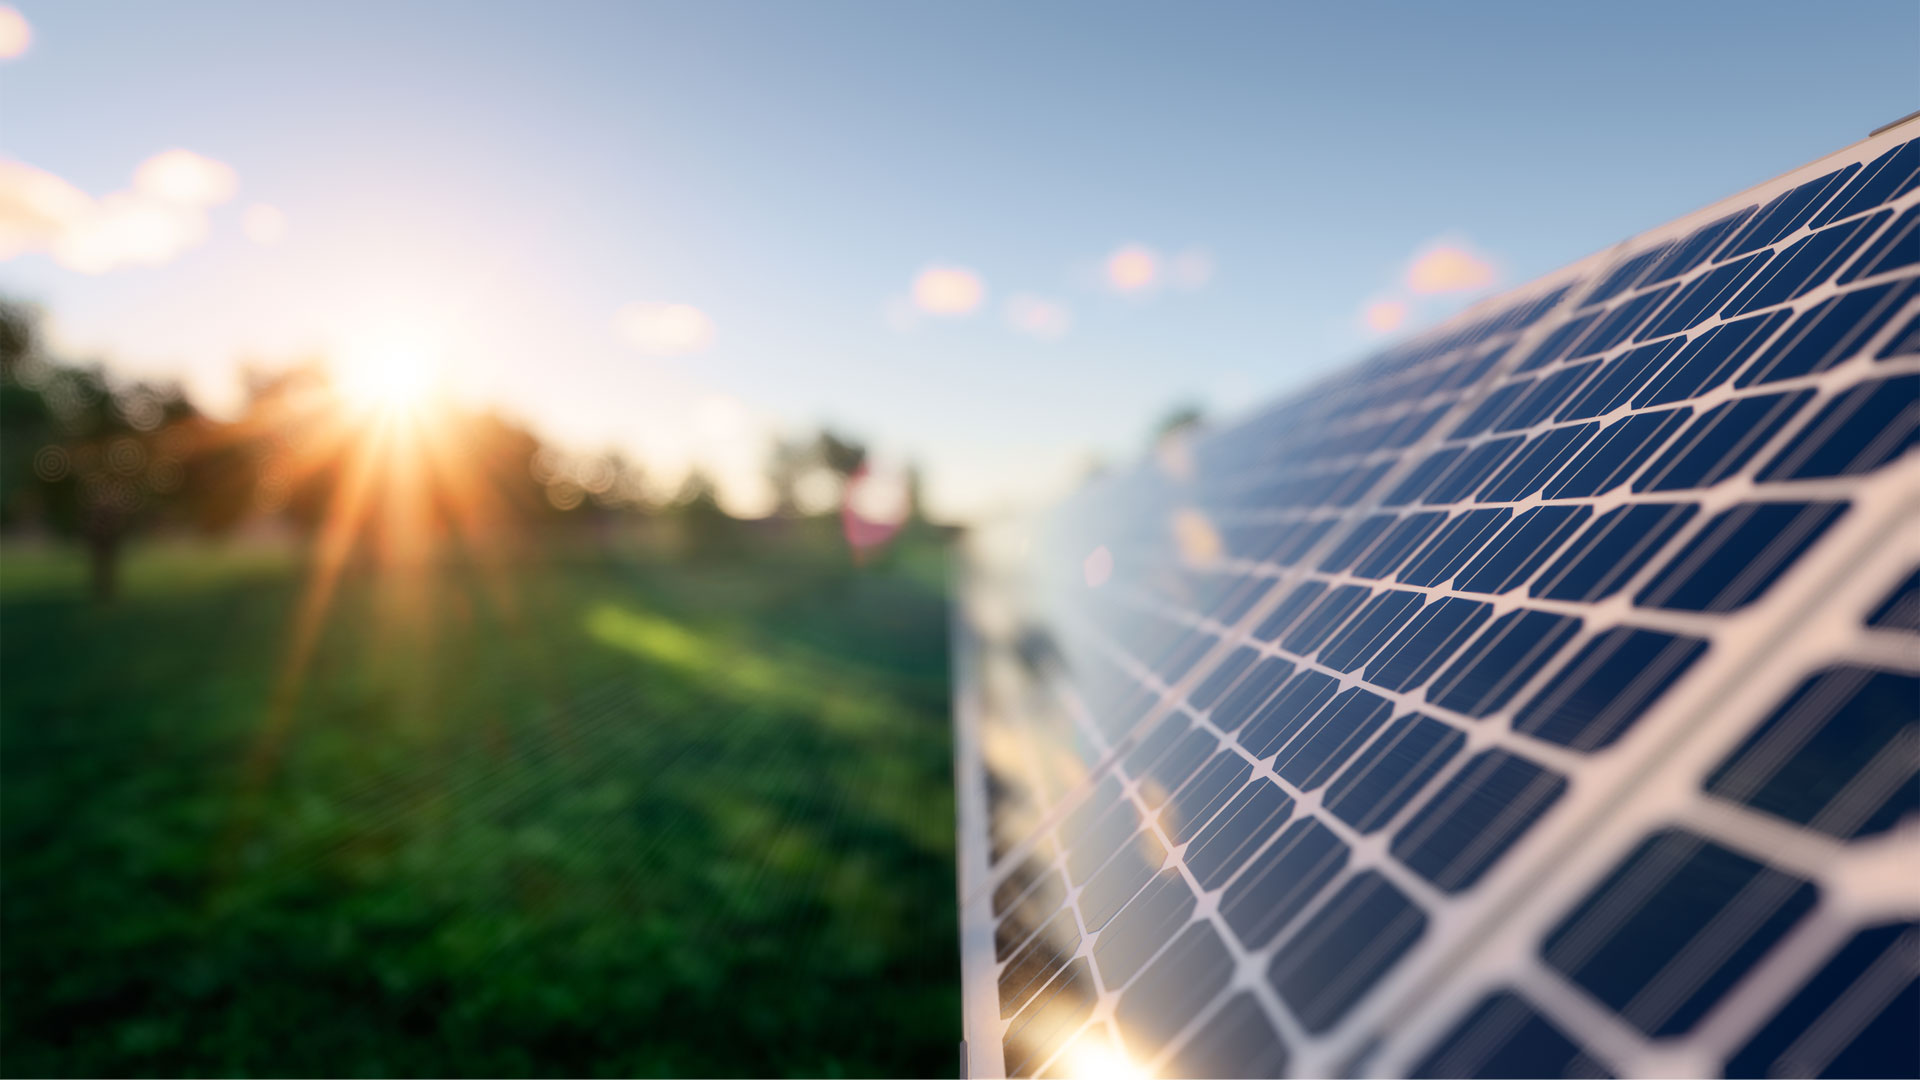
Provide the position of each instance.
(391, 368)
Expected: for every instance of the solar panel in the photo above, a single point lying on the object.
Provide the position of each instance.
(1540, 696)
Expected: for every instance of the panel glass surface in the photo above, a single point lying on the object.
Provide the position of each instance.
(1539, 696)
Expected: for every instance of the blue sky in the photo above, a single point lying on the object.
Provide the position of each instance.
(512, 176)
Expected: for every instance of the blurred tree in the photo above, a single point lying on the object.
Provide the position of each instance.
(1182, 419)
(287, 436)
(705, 527)
(786, 465)
(840, 454)
(795, 463)
(24, 418)
(86, 458)
(915, 512)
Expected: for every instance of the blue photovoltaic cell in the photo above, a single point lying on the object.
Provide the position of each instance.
(1904, 342)
(1138, 931)
(1623, 276)
(1616, 453)
(1694, 250)
(1045, 956)
(1287, 711)
(1709, 360)
(1410, 650)
(1471, 822)
(1238, 1041)
(1607, 686)
(1543, 456)
(1202, 796)
(1610, 551)
(1681, 910)
(1787, 212)
(1050, 1020)
(1897, 248)
(1803, 265)
(1280, 883)
(1231, 838)
(1391, 771)
(1486, 674)
(1884, 179)
(1837, 756)
(1506, 1037)
(1556, 344)
(1855, 1017)
(1735, 556)
(1615, 381)
(1399, 543)
(1173, 989)
(1334, 734)
(1371, 628)
(1527, 542)
(1223, 677)
(1714, 291)
(1427, 641)
(1901, 609)
(1248, 694)
(1347, 946)
(1721, 441)
(1857, 432)
(1828, 333)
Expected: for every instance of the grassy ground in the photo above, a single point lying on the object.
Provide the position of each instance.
(597, 817)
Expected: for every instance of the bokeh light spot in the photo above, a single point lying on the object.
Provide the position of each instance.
(1449, 268)
(1385, 316)
(1132, 268)
(948, 290)
(1196, 538)
(16, 35)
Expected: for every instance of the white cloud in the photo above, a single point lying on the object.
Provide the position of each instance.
(186, 178)
(163, 215)
(664, 329)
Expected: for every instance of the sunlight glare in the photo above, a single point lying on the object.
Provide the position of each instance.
(393, 368)
(1097, 1059)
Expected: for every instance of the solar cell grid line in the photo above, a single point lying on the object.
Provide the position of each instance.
(1755, 654)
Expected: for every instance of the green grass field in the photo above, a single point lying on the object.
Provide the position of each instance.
(596, 817)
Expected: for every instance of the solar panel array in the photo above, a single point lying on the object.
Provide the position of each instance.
(1541, 697)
